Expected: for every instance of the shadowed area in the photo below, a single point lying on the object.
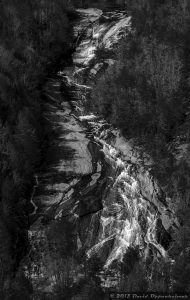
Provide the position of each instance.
(97, 210)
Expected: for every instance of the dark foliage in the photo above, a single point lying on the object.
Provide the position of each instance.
(101, 4)
(146, 95)
(34, 35)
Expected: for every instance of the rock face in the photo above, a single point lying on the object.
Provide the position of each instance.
(96, 197)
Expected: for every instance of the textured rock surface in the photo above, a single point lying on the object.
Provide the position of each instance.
(96, 196)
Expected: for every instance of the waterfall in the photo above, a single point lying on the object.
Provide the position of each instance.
(96, 198)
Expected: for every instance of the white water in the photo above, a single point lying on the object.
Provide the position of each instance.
(128, 218)
(131, 208)
(124, 211)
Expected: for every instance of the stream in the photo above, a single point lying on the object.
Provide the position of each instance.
(97, 209)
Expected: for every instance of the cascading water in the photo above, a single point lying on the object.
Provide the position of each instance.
(127, 218)
(96, 197)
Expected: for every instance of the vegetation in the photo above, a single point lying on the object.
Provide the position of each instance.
(102, 4)
(146, 94)
(34, 35)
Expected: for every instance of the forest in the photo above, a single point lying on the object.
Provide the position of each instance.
(101, 4)
(145, 94)
(34, 37)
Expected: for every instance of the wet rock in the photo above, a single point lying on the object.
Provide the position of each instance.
(83, 227)
(130, 258)
(94, 177)
(89, 205)
(163, 237)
